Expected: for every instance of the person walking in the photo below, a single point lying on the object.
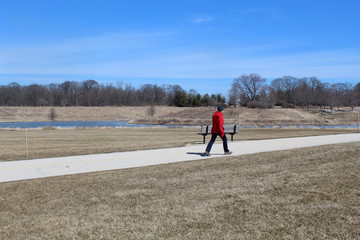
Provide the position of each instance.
(218, 130)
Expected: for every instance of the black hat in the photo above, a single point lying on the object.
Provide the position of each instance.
(220, 108)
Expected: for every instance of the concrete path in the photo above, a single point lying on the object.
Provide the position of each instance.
(49, 167)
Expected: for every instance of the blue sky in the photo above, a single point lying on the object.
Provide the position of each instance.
(201, 45)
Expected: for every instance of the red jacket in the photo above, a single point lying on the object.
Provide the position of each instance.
(217, 123)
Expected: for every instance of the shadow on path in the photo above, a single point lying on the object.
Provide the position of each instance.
(203, 154)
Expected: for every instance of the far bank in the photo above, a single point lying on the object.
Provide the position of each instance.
(165, 115)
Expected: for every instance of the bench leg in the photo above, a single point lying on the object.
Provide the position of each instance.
(232, 137)
(204, 138)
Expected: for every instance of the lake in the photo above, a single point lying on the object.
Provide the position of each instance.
(76, 124)
(113, 124)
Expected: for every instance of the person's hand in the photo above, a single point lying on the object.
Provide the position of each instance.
(222, 135)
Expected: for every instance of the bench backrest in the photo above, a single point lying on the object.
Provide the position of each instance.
(228, 129)
(231, 128)
(205, 129)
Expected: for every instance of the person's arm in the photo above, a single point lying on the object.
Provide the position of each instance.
(221, 125)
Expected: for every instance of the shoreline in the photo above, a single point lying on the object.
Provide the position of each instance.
(65, 125)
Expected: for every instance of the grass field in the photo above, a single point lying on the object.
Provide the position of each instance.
(68, 142)
(311, 193)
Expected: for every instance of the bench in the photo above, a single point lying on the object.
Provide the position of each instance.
(229, 129)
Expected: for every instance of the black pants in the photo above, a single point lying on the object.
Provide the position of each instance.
(213, 138)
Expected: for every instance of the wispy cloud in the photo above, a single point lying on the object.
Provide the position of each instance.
(202, 19)
(99, 48)
(323, 64)
(158, 54)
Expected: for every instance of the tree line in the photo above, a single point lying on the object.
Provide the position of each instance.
(248, 90)
(91, 93)
(252, 91)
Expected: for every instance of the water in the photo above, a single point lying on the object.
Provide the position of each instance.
(76, 124)
(113, 124)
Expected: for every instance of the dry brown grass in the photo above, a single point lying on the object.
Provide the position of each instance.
(36, 114)
(176, 115)
(311, 193)
(68, 142)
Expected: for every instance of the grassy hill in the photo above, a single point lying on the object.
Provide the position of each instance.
(176, 115)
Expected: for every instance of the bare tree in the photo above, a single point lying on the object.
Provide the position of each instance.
(151, 111)
(285, 89)
(357, 94)
(249, 86)
(52, 114)
(343, 95)
(90, 93)
(234, 95)
(36, 95)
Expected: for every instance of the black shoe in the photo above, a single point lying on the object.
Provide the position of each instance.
(228, 153)
(206, 153)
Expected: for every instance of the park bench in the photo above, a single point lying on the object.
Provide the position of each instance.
(229, 129)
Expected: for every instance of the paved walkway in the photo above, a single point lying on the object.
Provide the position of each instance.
(48, 167)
